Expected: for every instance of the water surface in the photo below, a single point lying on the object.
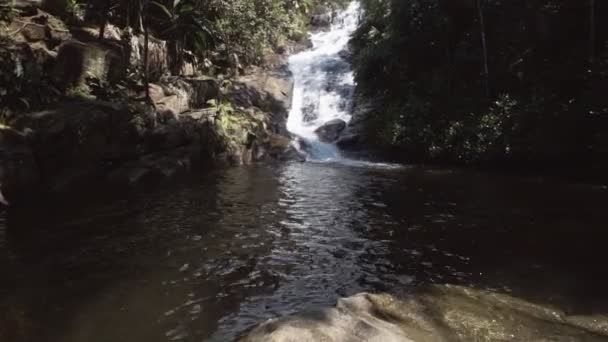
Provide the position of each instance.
(206, 258)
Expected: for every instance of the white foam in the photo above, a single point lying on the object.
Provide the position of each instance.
(324, 84)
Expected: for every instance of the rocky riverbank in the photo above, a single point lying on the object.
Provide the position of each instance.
(85, 117)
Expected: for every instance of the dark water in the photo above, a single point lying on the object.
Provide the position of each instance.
(207, 258)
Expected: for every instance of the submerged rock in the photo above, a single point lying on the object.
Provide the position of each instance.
(436, 313)
(330, 131)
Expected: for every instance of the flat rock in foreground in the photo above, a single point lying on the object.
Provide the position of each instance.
(437, 313)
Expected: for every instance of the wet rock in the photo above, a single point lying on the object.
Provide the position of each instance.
(435, 313)
(153, 167)
(330, 131)
(348, 141)
(132, 175)
(282, 148)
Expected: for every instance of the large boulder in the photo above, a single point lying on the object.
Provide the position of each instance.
(354, 136)
(81, 141)
(77, 138)
(331, 130)
(77, 61)
(176, 95)
(270, 91)
(37, 25)
(434, 314)
(282, 148)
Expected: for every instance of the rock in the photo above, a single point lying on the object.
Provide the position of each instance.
(330, 131)
(270, 91)
(34, 32)
(437, 313)
(40, 55)
(321, 20)
(353, 137)
(79, 136)
(281, 148)
(157, 52)
(18, 169)
(112, 32)
(188, 69)
(23, 4)
(348, 141)
(96, 140)
(153, 167)
(77, 61)
(291, 154)
(3, 200)
(132, 175)
(176, 95)
(37, 26)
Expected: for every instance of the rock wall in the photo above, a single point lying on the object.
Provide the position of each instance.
(76, 142)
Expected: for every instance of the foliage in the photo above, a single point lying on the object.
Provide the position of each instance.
(21, 86)
(186, 28)
(234, 128)
(7, 11)
(79, 92)
(247, 28)
(425, 60)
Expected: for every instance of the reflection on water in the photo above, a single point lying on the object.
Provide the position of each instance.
(208, 258)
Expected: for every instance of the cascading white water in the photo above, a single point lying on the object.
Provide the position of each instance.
(324, 84)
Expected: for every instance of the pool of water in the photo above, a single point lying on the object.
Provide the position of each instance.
(208, 257)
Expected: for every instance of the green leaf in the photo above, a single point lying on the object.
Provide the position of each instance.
(164, 9)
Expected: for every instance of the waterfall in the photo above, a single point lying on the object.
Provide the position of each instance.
(324, 85)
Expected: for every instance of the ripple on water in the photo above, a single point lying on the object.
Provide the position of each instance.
(213, 257)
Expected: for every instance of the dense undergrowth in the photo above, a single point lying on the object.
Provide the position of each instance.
(478, 81)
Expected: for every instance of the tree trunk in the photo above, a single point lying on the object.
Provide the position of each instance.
(591, 31)
(484, 46)
(140, 15)
(104, 23)
(146, 51)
